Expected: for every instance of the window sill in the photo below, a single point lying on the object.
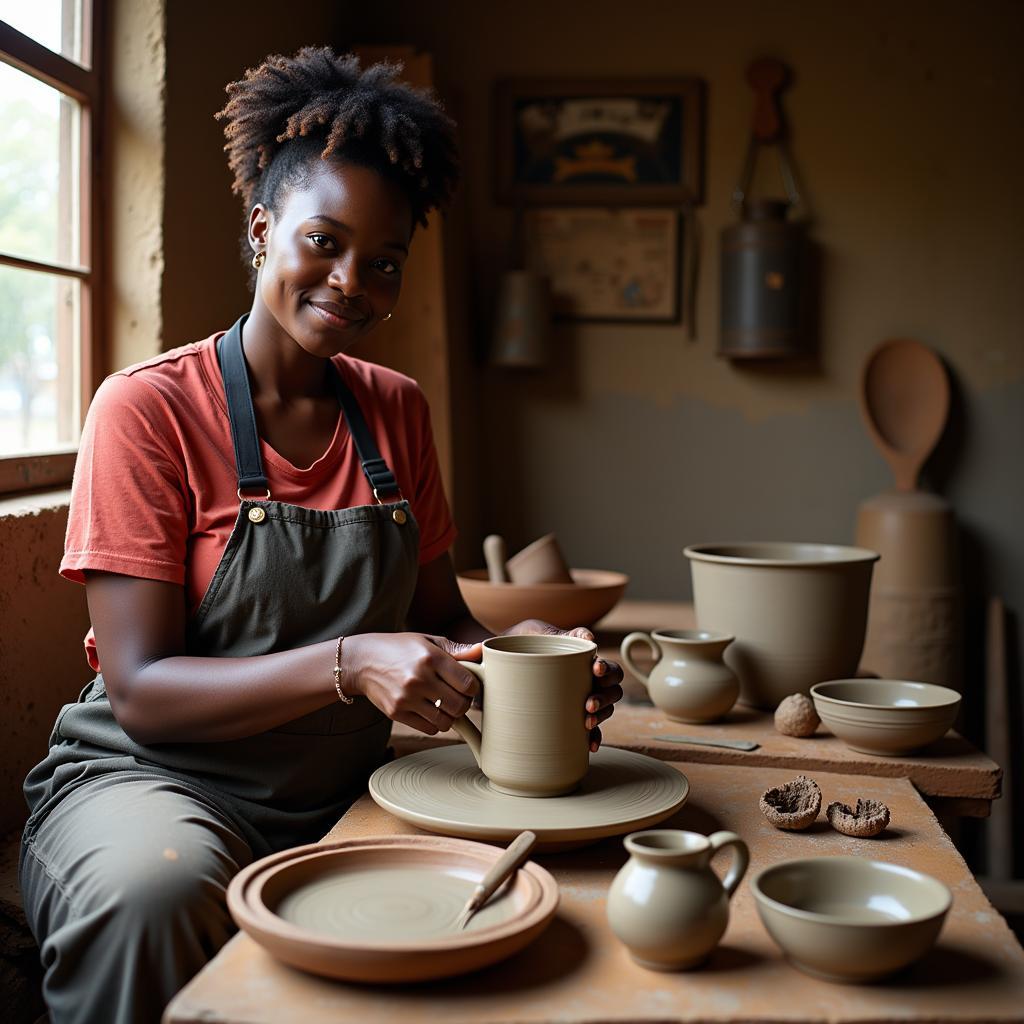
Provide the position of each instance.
(27, 472)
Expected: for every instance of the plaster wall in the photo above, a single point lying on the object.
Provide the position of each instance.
(134, 149)
(42, 621)
(638, 439)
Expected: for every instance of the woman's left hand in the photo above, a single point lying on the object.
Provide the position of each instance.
(607, 677)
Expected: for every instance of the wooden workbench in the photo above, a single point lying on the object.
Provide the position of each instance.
(955, 778)
(578, 973)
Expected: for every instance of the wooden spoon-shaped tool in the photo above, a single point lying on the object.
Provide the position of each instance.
(494, 558)
(905, 403)
(504, 867)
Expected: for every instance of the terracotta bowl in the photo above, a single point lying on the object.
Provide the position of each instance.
(849, 919)
(798, 612)
(592, 594)
(381, 909)
(885, 716)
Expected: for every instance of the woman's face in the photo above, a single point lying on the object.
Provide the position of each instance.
(334, 255)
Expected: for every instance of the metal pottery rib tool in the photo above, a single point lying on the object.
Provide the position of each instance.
(701, 741)
(504, 867)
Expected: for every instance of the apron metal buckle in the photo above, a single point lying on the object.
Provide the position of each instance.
(241, 497)
(381, 501)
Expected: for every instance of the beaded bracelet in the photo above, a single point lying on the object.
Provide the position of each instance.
(337, 675)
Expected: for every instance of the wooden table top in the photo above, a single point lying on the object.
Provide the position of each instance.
(577, 971)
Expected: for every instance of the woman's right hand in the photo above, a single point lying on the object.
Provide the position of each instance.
(405, 674)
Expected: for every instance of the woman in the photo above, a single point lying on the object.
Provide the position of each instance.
(268, 581)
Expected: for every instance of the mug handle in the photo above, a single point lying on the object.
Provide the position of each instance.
(740, 860)
(463, 726)
(628, 644)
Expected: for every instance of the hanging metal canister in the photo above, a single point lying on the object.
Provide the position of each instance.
(764, 261)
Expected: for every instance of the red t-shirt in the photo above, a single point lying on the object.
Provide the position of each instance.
(154, 492)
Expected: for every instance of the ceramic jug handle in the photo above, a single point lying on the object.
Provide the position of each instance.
(741, 857)
(463, 726)
(627, 646)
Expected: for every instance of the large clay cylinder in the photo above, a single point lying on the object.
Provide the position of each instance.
(914, 613)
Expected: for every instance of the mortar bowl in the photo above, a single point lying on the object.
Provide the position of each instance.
(592, 594)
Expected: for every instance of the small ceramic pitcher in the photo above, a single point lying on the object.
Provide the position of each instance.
(690, 682)
(667, 905)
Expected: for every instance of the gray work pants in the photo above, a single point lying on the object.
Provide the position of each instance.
(125, 880)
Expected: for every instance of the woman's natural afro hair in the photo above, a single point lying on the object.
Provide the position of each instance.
(290, 111)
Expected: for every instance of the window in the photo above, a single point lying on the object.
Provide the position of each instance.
(49, 245)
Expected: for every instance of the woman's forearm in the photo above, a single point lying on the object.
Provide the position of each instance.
(203, 700)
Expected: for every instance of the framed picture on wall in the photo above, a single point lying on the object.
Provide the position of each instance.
(600, 142)
(609, 265)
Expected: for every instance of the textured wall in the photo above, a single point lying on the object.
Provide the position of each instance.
(42, 621)
(639, 440)
(135, 180)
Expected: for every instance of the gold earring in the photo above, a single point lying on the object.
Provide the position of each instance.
(259, 259)
(386, 316)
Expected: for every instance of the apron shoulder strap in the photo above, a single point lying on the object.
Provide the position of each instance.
(246, 439)
(244, 435)
(377, 471)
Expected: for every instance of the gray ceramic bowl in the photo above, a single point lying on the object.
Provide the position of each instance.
(885, 716)
(848, 919)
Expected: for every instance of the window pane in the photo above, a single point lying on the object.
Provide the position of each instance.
(57, 24)
(39, 205)
(39, 361)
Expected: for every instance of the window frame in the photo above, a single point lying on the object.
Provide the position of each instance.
(84, 84)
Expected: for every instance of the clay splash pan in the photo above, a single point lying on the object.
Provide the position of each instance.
(384, 909)
(442, 790)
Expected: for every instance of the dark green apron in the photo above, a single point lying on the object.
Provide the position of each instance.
(289, 577)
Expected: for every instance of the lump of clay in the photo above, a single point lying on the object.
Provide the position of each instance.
(793, 806)
(870, 818)
(796, 716)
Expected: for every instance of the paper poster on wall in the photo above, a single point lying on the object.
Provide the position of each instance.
(608, 265)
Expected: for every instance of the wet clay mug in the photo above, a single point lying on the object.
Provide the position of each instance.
(534, 740)
(690, 682)
(666, 905)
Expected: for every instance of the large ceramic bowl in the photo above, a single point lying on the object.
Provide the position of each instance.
(885, 716)
(849, 919)
(798, 612)
(592, 594)
(383, 909)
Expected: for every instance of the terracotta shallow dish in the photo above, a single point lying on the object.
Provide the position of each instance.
(442, 790)
(592, 594)
(384, 909)
(798, 611)
(849, 919)
(885, 716)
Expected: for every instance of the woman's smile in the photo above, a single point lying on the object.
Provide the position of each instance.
(342, 318)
